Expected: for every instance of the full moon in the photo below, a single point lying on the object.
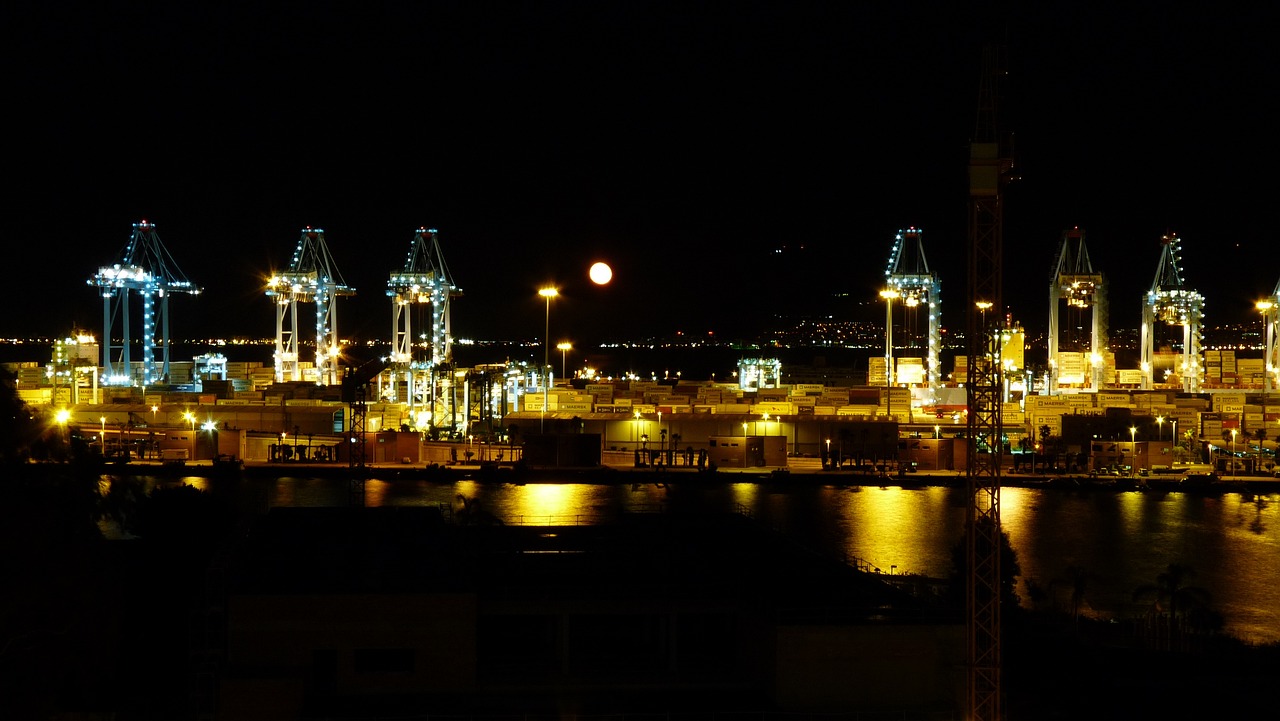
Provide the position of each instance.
(601, 273)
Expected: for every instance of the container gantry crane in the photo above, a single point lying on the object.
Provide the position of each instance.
(1170, 302)
(424, 281)
(312, 278)
(909, 280)
(147, 267)
(1077, 284)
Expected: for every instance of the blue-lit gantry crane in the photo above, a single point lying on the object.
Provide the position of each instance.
(145, 266)
(1171, 303)
(909, 281)
(423, 282)
(312, 277)
(1076, 284)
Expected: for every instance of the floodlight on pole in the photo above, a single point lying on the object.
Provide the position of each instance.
(1133, 450)
(548, 293)
(1267, 308)
(564, 349)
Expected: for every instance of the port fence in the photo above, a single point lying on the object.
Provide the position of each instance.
(907, 715)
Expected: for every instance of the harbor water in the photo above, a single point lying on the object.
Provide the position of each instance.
(1116, 541)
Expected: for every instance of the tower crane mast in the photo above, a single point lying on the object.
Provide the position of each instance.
(907, 274)
(1170, 302)
(312, 277)
(1076, 283)
(147, 267)
(990, 170)
(423, 281)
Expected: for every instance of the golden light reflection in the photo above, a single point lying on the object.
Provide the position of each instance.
(745, 494)
(375, 492)
(551, 504)
(899, 531)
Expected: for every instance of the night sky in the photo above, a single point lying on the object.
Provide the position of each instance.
(732, 161)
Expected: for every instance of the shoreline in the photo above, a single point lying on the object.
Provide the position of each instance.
(605, 473)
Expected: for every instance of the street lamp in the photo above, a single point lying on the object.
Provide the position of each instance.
(564, 349)
(1268, 345)
(549, 292)
(888, 294)
(102, 435)
(191, 418)
(1233, 451)
(1133, 450)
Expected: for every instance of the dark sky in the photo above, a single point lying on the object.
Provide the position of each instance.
(686, 143)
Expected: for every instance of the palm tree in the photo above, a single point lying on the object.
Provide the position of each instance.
(1173, 602)
(1078, 579)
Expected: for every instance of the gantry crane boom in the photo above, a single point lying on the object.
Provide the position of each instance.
(312, 277)
(145, 266)
(908, 277)
(1171, 302)
(1076, 283)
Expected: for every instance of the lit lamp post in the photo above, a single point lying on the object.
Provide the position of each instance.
(1233, 451)
(888, 294)
(62, 417)
(102, 435)
(1133, 450)
(1268, 343)
(548, 293)
(564, 349)
(191, 419)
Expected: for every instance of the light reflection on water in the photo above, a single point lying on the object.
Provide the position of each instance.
(1119, 540)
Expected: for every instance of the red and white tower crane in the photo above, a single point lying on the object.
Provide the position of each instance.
(1170, 302)
(1082, 289)
(145, 266)
(990, 171)
(312, 277)
(424, 282)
